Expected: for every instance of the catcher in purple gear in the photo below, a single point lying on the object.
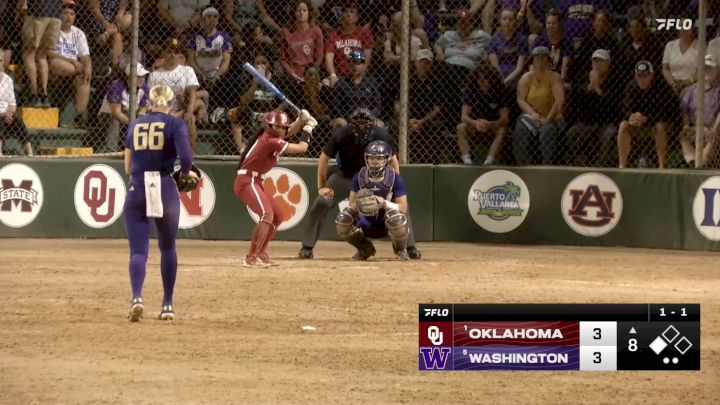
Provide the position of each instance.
(378, 206)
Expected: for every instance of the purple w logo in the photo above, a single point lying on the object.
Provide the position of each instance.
(434, 358)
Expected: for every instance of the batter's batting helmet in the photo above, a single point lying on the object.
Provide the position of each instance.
(276, 117)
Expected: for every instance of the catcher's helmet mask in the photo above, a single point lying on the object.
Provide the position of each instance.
(376, 167)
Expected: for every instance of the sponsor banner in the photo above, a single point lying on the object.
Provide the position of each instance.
(536, 358)
(99, 196)
(499, 201)
(21, 195)
(516, 333)
(197, 205)
(706, 208)
(592, 204)
(289, 193)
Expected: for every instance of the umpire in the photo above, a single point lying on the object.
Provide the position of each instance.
(348, 148)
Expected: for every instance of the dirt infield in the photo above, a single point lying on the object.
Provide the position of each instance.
(238, 337)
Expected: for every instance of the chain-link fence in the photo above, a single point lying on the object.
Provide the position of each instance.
(510, 82)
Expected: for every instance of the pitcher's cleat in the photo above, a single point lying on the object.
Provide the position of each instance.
(305, 253)
(265, 258)
(414, 253)
(402, 255)
(166, 313)
(253, 261)
(136, 310)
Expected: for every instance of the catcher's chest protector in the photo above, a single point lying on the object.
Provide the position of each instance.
(381, 189)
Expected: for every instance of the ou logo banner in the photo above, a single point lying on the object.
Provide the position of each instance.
(99, 196)
(197, 205)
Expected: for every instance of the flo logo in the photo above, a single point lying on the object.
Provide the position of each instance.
(21, 195)
(289, 193)
(499, 201)
(99, 196)
(197, 205)
(706, 208)
(592, 204)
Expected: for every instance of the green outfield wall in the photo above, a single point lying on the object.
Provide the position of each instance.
(83, 198)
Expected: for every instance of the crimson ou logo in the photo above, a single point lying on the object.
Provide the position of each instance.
(99, 196)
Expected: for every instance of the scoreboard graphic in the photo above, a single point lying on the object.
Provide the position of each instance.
(584, 337)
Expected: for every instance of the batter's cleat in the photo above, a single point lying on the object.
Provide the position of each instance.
(265, 258)
(414, 253)
(365, 253)
(136, 310)
(166, 313)
(402, 255)
(306, 253)
(253, 261)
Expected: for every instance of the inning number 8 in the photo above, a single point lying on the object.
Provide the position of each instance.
(149, 136)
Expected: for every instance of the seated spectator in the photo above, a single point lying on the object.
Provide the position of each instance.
(641, 43)
(184, 84)
(10, 124)
(713, 47)
(507, 50)
(591, 140)
(209, 55)
(485, 112)
(301, 45)
(649, 104)
(347, 40)
(711, 119)
(600, 38)
(254, 102)
(40, 33)
(579, 17)
(238, 14)
(115, 108)
(317, 95)
(391, 47)
(540, 96)
(112, 24)
(561, 48)
(679, 62)
(358, 90)
(486, 9)
(8, 31)
(72, 59)
(529, 17)
(465, 47)
(181, 16)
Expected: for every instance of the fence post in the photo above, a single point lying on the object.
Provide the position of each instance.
(404, 77)
(700, 113)
(134, 58)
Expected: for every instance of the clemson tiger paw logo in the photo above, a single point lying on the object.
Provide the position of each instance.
(289, 193)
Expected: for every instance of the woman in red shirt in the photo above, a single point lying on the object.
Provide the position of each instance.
(302, 44)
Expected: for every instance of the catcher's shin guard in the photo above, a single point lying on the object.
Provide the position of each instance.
(397, 225)
(365, 247)
(346, 222)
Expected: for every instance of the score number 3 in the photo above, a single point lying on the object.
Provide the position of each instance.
(149, 136)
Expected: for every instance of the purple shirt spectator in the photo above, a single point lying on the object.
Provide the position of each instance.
(209, 50)
(118, 94)
(557, 51)
(508, 51)
(579, 15)
(688, 104)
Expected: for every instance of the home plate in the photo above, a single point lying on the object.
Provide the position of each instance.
(308, 328)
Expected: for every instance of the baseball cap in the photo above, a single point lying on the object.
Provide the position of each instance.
(141, 71)
(355, 56)
(424, 54)
(710, 61)
(602, 54)
(540, 50)
(644, 68)
(210, 11)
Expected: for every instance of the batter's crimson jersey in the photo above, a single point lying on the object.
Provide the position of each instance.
(342, 44)
(264, 153)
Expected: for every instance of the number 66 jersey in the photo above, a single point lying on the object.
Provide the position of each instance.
(155, 141)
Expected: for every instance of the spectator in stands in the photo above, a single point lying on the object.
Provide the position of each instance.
(254, 102)
(10, 124)
(209, 55)
(184, 84)
(239, 14)
(112, 24)
(8, 31)
(485, 112)
(507, 50)
(600, 38)
(318, 99)
(679, 62)
(561, 48)
(301, 45)
(713, 47)
(641, 44)
(358, 90)
(591, 139)
(72, 59)
(181, 16)
(391, 47)
(486, 9)
(540, 96)
(465, 47)
(529, 18)
(649, 104)
(579, 17)
(345, 40)
(115, 108)
(40, 32)
(711, 119)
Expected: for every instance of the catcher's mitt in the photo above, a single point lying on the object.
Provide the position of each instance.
(368, 203)
(187, 182)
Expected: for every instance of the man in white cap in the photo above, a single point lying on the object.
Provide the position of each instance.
(115, 109)
(711, 120)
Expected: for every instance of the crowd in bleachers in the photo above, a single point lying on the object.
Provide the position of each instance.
(576, 82)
